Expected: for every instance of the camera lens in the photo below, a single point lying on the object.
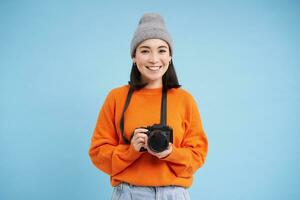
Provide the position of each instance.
(157, 141)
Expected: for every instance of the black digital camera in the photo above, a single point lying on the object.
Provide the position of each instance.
(159, 137)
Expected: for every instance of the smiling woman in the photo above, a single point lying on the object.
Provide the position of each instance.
(154, 153)
(152, 59)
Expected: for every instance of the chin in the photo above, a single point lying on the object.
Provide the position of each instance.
(149, 78)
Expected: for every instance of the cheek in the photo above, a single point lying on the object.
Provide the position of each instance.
(141, 60)
(166, 60)
(139, 67)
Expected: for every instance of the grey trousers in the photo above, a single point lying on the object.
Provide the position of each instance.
(126, 191)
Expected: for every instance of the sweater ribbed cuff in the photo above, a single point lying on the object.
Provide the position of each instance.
(132, 153)
(174, 156)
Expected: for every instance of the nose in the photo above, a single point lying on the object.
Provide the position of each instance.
(154, 58)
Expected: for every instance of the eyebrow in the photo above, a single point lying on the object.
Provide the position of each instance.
(149, 47)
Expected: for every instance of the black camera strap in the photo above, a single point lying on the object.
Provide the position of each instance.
(130, 91)
(163, 113)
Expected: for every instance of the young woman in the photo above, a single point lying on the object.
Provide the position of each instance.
(149, 136)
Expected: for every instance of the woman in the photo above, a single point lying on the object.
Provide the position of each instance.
(149, 136)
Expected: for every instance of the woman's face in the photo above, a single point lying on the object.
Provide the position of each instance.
(152, 58)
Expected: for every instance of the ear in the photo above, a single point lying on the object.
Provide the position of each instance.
(133, 60)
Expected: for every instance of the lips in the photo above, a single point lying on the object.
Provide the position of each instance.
(153, 68)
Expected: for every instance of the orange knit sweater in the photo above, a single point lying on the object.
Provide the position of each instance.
(109, 153)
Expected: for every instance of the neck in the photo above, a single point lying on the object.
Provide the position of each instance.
(153, 85)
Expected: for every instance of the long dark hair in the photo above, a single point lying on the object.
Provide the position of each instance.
(169, 79)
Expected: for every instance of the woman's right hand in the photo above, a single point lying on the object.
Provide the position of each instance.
(139, 138)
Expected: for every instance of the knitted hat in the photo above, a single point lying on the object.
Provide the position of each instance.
(151, 26)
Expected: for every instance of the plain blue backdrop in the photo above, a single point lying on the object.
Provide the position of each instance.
(239, 59)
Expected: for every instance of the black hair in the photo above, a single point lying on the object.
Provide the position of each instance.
(169, 79)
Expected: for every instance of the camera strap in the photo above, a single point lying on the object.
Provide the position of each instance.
(130, 91)
(163, 113)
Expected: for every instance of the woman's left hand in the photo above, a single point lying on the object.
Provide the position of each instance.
(162, 154)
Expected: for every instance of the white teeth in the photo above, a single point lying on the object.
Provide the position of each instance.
(153, 68)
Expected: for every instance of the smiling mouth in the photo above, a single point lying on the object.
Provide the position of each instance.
(153, 68)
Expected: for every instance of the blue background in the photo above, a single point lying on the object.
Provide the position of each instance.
(239, 59)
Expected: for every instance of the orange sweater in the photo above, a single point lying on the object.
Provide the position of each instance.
(123, 163)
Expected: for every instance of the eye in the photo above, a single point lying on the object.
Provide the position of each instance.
(162, 51)
(144, 51)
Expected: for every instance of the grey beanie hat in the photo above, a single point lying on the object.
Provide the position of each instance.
(151, 26)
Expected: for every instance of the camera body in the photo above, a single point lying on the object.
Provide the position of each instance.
(159, 137)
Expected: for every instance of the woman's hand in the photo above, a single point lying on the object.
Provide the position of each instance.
(163, 154)
(139, 139)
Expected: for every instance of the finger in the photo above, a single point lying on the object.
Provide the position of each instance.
(140, 130)
(161, 154)
(140, 140)
(140, 135)
(146, 141)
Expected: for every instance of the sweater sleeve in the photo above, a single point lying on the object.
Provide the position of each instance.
(185, 159)
(105, 151)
